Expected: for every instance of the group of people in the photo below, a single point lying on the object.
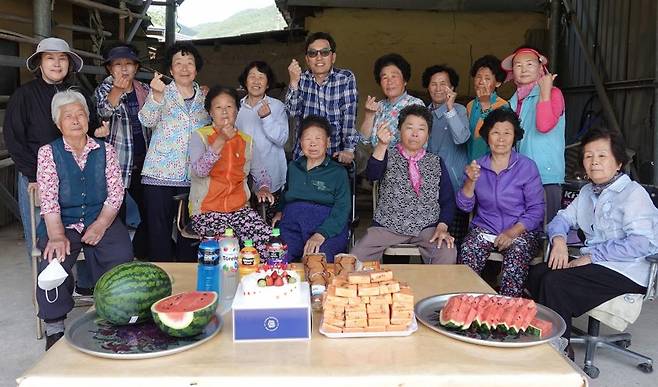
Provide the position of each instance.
(498, 163)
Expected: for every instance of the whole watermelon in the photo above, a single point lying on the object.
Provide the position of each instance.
(125, 293)
(185, 314)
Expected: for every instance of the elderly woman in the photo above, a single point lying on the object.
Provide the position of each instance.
(620, 224)
(392, 72)
(450, 126)
(173, 112)
(506, 189)
(77, 215)
(315, 203)
(416, 200)
(265, 120)
(540, 107)
(28, 126)
(119, 99)
(487, 77)
(221, 159)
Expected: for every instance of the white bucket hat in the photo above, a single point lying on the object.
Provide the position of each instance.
(53, 45)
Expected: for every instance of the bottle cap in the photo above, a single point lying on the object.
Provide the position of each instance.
(276, 232)
(248, 243)
(228, 232)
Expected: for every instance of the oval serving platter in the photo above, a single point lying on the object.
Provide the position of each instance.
(427, 312)
(95, 336)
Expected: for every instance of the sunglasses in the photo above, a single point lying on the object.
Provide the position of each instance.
(325, 52)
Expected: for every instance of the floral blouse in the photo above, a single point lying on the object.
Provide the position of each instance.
(390, 112)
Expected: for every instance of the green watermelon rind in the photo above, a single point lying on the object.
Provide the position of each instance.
(125, 293)
(199, 322)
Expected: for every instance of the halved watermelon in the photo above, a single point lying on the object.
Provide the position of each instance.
(184, 314)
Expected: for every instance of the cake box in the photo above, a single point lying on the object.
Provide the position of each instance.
(264, 320)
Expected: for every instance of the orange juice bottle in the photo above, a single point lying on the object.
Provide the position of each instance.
(249, 258)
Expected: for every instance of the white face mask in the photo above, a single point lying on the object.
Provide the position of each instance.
(51, 277)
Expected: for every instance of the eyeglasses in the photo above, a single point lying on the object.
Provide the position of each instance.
(325, 52)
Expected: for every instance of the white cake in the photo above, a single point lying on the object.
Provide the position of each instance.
(282, 286)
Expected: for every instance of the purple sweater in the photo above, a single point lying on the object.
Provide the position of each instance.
(515, 195)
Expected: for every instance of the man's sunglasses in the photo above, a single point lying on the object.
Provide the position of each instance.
(325, 52)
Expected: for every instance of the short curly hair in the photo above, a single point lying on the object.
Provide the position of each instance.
(492, 63)
(261, 66)
(395, 60)
(502, 114)
(315, 120)
(430, 71)
(184, 48)
(418, 111)
(219, 90)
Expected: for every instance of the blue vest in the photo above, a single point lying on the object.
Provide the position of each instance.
(81, 192)
(545, 149)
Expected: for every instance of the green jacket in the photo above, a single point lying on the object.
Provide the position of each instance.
(326, 184)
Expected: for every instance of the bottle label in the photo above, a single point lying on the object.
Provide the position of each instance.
(277, 253)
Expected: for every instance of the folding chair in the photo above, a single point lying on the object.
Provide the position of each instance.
(36, 257)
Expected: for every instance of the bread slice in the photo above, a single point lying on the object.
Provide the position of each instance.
(368, 289)
(381, 275)
(358, 277)
(330, 328)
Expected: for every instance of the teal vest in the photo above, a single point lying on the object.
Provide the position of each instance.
(81, 192)
(545, 149)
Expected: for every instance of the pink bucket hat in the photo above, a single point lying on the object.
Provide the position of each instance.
(507, 63)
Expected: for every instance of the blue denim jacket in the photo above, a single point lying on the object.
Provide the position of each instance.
(620, 226)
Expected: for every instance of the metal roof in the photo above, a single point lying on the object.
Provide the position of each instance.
(427, 5)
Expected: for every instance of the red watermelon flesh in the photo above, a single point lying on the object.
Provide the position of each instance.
(185, 314)
(454, 313)
(541, 328)
(529, 313)
(507, 318)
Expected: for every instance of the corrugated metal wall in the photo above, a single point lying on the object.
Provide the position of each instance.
(622, 37)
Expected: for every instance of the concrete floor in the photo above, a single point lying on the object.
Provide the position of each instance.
(20, 349)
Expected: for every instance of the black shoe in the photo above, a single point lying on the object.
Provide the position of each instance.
(84, 291)
(52, 339)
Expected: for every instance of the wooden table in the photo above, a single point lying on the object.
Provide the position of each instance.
(425, 358)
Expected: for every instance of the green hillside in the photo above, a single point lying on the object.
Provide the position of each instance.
(245, 22)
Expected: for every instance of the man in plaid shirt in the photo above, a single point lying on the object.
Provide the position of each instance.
(325, 91)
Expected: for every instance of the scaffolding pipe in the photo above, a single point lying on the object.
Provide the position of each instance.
(42, 15)
(137, 22)
(15, 37)
(655, 111)
(596, 76)
(26, 20)
(554, 35)
(170, 24)
(107, 8)
(15, 61)
(122, 24)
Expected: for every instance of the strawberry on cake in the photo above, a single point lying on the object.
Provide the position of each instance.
(271, 282)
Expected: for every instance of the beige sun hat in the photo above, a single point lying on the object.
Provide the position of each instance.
(53, 45)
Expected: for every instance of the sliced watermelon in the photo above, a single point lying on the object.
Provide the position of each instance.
(451, 315)
(185, 314)
(506, 320)
(538, 327)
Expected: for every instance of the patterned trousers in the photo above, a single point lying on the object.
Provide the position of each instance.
(516, 259)
(245, 222)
